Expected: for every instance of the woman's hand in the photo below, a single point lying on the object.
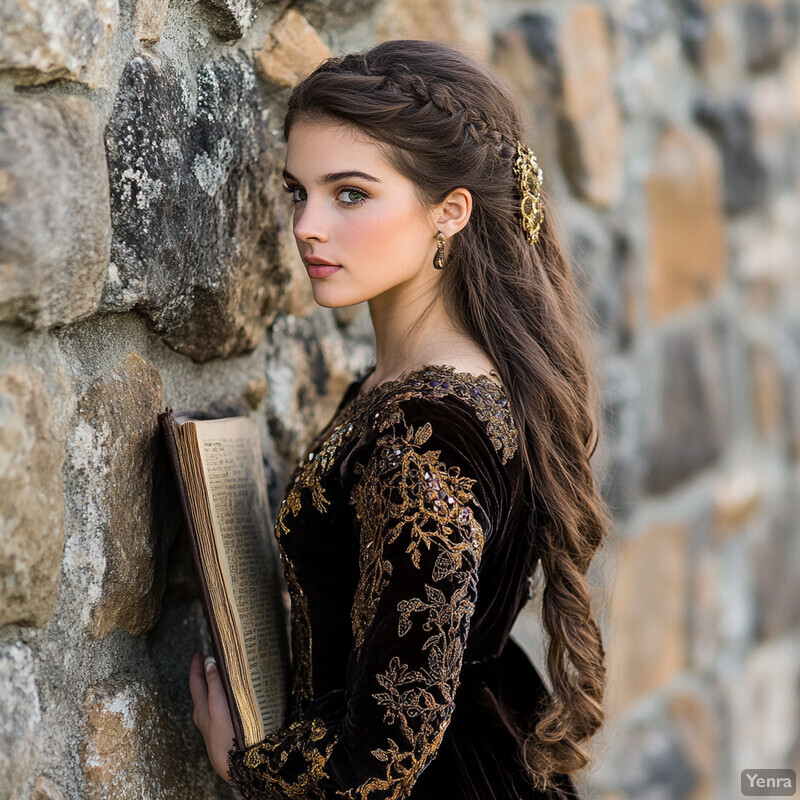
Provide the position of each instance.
(211, 713)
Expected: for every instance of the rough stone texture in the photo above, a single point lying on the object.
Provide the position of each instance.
(648, 643)
(303, 391)
(229, 19)
(20, 716)
(148, 19)
(687, 242)
(45, 789)
(591, 124)
(55, 229)
(291, 50)
(42, 41)
(32, 439)
(688, 422)
(114, 441)
(117, 760)
(730, 124)
(192, 223)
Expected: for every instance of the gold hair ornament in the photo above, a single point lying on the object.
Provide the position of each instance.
(529, 182)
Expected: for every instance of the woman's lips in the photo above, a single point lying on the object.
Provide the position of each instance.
(320, 270)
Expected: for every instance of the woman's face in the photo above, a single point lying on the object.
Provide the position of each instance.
(369, 224)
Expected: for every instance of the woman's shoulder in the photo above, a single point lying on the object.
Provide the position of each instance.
(458, 406)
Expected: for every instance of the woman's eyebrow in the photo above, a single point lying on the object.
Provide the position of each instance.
(332, 177)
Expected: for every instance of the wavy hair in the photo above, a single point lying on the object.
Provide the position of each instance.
(444, 120)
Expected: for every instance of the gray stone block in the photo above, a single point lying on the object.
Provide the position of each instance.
(229, 19)
(55, 227)
(688, 426)
(193, 245)
(20, 717)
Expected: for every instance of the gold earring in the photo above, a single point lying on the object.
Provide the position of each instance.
(438, 259)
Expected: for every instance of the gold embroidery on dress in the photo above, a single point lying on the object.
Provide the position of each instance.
(457, 535)
(434, 508)
(268, 759)
(427, 499)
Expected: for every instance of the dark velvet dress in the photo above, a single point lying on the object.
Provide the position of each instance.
(407, 559)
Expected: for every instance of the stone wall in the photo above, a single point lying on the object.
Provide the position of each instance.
(146, 260)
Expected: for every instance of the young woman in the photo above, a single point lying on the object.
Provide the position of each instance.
(452, 468)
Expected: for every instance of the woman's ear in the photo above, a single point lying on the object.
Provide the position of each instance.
(453, 213)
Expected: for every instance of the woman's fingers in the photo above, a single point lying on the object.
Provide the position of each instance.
(217, 702)
(199, 689)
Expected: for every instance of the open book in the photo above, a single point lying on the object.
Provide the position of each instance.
(219, 471)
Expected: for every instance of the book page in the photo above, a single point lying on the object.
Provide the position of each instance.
(231, 456)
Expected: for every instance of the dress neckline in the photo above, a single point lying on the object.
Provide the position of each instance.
(424, 373)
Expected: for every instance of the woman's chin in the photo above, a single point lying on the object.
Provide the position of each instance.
(323, 296)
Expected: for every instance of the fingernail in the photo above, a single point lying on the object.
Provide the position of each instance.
(210, 663)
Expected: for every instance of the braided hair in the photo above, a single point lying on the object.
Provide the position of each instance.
(444, 120)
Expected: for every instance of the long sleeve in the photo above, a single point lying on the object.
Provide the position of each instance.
(422, 529)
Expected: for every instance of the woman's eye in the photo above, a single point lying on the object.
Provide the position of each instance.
(349, 194)
(291, 190)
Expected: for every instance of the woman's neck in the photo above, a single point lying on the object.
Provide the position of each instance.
(435, 340)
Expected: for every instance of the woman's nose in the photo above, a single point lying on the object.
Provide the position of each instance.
(309, 222)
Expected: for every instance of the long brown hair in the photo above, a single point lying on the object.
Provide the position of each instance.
(445, 121)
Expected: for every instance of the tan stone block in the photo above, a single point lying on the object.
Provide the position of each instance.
(696, 722)
(461, 23)
(32, 441)
(131, 749)
(291, 50)
(648, 641)
(767, 395)
(45, 789)
(592, 148)
(684, 204)
(42, 41)
(113, 447)
(736, 496)
(148, 19)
